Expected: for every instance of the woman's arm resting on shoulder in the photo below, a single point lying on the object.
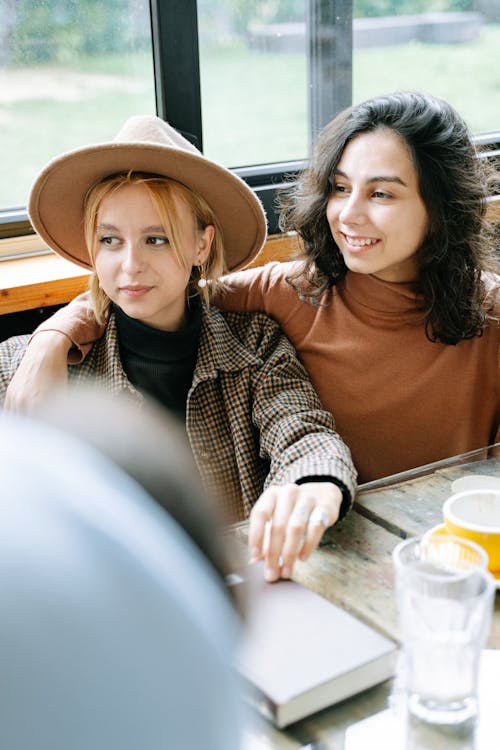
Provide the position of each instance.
(67, 337)
(263, 289)
(78, 323)
(288, 521)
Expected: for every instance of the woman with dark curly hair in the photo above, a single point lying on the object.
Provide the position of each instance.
(394, 306)
(452, 184)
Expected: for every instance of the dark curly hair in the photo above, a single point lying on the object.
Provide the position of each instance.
(454, 185)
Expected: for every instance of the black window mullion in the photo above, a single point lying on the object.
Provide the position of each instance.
(174, 26)
(329, 64)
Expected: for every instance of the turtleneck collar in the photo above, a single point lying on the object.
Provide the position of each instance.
(142, 340)
(385, 298)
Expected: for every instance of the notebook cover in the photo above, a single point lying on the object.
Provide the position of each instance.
(303, 653)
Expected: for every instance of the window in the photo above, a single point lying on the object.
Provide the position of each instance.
(250, 82)
(444, 47)
(70, 72)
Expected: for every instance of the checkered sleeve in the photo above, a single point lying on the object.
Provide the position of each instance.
(11, 353)
(77, 322)
(297, 436)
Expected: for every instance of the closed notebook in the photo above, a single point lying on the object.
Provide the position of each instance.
(301, 653)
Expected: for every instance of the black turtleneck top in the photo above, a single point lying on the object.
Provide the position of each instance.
(160, 363)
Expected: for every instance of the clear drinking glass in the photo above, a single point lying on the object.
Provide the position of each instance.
(445, 599)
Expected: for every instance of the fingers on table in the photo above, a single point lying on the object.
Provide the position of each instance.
(260, 516)
(269, 523)
(285, 524)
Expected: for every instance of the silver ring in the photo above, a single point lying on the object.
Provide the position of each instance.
(319, 516)
(300, 515)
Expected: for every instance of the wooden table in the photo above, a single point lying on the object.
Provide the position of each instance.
(353, 568)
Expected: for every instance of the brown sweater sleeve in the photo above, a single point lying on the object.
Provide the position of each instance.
(77, 322)
(260, 289)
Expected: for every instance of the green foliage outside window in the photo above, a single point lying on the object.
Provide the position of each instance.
(60, 31)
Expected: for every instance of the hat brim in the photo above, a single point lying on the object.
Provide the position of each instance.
(56, 199)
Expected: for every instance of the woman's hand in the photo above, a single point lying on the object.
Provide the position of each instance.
(288, 522)
(43, 368)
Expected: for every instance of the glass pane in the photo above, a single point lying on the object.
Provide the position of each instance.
(253, 66)
(70, 73)
(448, 48)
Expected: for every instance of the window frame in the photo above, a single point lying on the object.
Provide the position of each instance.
(175, 45)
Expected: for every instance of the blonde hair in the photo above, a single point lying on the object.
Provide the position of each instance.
(163, 192)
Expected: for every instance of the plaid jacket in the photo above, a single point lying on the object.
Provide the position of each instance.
(253, 418)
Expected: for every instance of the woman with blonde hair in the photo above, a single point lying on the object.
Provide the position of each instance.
(155, 221)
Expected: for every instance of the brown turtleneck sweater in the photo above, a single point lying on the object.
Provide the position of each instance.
(399, 400)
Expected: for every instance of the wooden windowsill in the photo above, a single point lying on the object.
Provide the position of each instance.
(39, 281)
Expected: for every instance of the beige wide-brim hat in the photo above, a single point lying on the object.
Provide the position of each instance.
(143, 144)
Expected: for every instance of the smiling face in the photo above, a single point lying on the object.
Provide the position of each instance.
(135, 262)
(375, 212)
